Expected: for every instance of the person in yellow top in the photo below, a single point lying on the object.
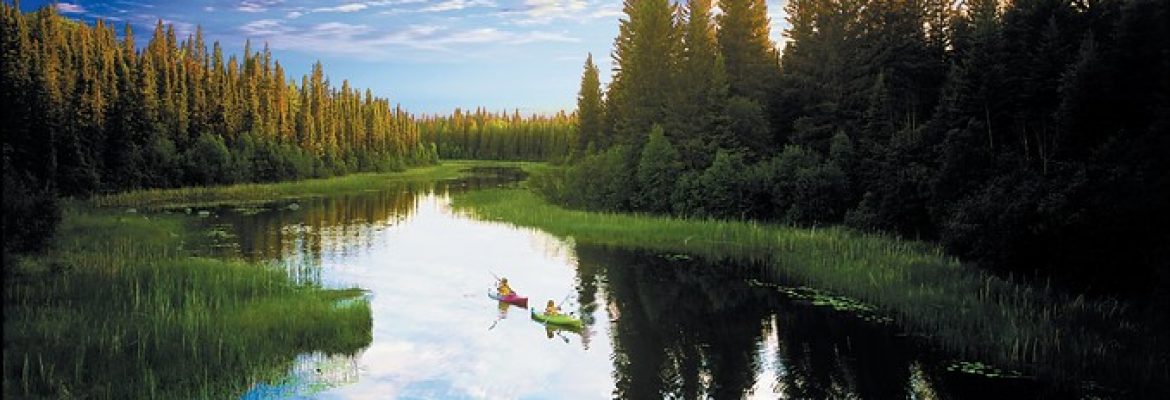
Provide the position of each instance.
(551, 310)
(503, 288)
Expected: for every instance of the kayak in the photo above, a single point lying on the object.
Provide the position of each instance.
(512, 299)
(562, 320)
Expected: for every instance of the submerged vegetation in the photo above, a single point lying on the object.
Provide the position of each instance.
(964, 310)
(117, 301)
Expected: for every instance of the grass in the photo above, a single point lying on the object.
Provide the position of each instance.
(102, 316)
(963, 310)
(115, 310)
(264, 192)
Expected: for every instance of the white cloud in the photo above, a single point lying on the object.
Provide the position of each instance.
(539, 36)
(482, 35)
(344, 8)
(255, 6)
(369, 42)
(608, 10)
(553, 8)
(294, 14)
(209, 9)
(69, 8)
(451, 5)
(542, 12)
(264, 27)
(393, 2)
(339, 30)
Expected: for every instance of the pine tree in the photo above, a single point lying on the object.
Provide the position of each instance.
(642, 57)
(702, 120)
(658, 170)
(748, 52)
(589, 108)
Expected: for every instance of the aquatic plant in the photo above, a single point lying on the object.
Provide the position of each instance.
(117, 310)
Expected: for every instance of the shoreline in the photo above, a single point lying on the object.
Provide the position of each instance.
(958, 308)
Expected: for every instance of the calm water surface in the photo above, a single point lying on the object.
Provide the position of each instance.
(657, 325)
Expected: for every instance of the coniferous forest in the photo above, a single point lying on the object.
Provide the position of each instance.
(499, 136)
(1028, 139)
(1031, 137)
(104, 115)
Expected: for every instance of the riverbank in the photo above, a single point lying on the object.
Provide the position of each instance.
(110, 308)
(1080, 343)
(117, 307)
(263, 192)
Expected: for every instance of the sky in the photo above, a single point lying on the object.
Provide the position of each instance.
(430, 56)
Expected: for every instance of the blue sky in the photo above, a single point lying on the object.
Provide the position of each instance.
(430, 56)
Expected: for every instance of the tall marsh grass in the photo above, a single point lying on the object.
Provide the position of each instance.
(116, 310)
(961, 309)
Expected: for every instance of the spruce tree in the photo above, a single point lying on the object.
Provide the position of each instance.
(702, 121)
(589, 108)
(748, 51)
(642, 58)
(658, 169)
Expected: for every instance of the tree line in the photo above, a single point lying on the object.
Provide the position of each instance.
(499, 136)
(1028, 136)
(85, 112)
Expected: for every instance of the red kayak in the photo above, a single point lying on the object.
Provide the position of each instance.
(512, 299)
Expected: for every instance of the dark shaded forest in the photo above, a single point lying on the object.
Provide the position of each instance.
(1031, 137)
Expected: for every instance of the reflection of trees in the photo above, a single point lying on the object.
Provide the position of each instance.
(827, 354)
(679, 332)
(335, 224)
(320, 225)
(688, 329)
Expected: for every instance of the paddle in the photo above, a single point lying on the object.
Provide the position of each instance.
(498, 318)
(566, 300)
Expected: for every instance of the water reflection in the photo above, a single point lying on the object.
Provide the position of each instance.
(655, 326)
(684, 328)
(678, 329)
(297, 234)
(310, 375)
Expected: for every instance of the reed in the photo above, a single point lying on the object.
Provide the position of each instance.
(117, 310)
(965, 311)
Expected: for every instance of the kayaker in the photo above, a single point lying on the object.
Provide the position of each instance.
(503, 288)
(551, 310)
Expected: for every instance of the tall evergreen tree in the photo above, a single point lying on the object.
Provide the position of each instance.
(702, 121)
(589, 108)
(747, 48)
(639, 96)
(658, 169)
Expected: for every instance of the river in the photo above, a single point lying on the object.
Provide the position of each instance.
(656, 325)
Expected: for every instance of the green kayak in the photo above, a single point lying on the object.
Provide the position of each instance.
(562, 320)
